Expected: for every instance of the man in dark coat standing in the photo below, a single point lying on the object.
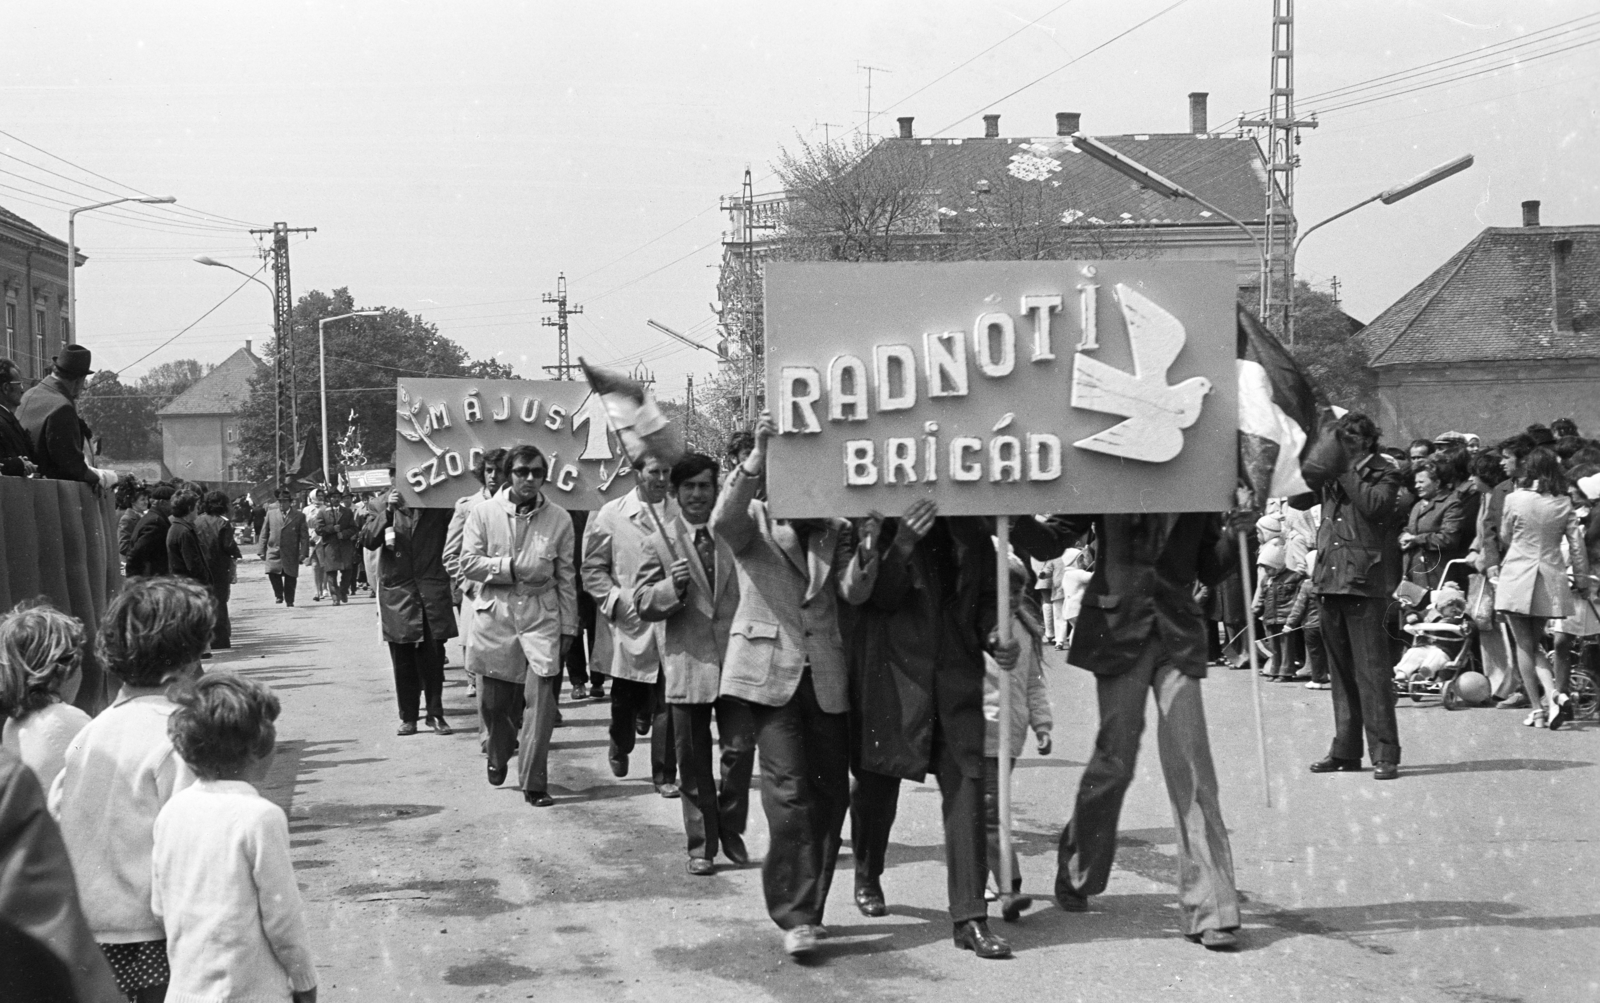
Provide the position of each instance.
(1141, 631)
(414, 603)
(917, 700)
(16, 449)
(49, 412)
(1364, 506)
(147, 554)
(185, 557)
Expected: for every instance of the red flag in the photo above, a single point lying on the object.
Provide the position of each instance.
(1278, 410)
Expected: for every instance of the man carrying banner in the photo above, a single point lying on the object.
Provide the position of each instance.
(686, 582)
(1140, 631)
(786, 660)
(626, 647)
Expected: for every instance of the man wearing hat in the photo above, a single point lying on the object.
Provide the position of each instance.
(49, 413)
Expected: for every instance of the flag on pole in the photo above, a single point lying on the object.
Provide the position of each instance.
(632, 411)
(1278, 410)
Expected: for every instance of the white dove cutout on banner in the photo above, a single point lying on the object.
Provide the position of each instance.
(1156, 412)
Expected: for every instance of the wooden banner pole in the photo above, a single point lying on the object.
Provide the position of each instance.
(1002, 565)
(1255, 658)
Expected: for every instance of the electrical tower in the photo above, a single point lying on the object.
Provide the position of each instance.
(563, 367)
(283, 334)
(739, 287)
(1283, 135)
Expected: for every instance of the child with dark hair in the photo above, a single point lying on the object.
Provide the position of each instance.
(41, 650)
(121, 770)
(222, 881)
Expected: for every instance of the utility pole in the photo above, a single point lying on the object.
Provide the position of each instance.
(283, 331)
(689, 401)
(870, 70)
(563, 367)
(1283, 135)
(1335, 290)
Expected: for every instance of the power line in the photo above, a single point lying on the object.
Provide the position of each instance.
(197, 320)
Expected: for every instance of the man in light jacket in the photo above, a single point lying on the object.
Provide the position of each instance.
(786, 659)
(626, 647)
(686, 582)
(518, 547)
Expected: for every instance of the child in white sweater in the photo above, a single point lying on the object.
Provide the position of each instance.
(41, 652)
(223, 883)
(120, 771)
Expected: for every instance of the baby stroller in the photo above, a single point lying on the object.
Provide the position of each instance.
(1441, 647)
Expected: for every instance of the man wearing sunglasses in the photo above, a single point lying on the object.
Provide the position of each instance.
(16, 452)
(522, 619)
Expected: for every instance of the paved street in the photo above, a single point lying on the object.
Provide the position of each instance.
(1475, 878)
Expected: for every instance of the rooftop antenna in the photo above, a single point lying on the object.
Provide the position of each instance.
(870, 70)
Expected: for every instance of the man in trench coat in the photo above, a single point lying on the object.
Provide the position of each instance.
(686, 582)
(626, 647)
(285, 542)
(335, 530)
(523, 616)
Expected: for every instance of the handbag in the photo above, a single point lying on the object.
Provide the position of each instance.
(1410, 594)
(1480, 601)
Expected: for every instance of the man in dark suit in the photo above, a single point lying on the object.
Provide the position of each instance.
(1365, 502)
(147, 554)
(49, 412)
(16, 451)
(1141, 631)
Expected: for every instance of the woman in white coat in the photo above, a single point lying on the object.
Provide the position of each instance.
(519, 545)
(1532, 587)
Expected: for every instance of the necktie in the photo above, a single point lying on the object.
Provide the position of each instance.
(708, 555)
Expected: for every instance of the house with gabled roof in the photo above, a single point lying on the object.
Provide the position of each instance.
(200, 427)
(1504, 334)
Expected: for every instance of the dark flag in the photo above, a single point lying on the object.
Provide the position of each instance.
(1278, 410)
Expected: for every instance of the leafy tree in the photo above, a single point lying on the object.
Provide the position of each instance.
(163, 383)
(123, 418)
(365, 358)
(1330, 351)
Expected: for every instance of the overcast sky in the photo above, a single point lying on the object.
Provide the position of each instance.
(455, 157)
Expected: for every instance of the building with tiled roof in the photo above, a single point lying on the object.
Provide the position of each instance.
(200, 427)
(33, 288)
(1504, 334)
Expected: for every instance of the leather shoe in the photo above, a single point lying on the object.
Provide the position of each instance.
(668, 790)
(1216, 940)
(869, 899)
(496, 776)
(407, 728)
(1385, 771)
(539, 799)
(619, 766)
(1515, 700)
(800, 941)
(641, 725)
(700, 867)
(440, 727)
(1014, 905)
(973, 935)
(733, 848)
(1068, 900)
(1333, 764)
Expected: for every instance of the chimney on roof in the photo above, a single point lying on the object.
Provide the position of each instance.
(905, 126)
(1067, 123)
(1561, 284)
(1197, 112)
(247, 346)
(1530, 212)
(991, 126)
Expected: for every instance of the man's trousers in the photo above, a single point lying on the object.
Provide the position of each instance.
(874, 799)
(520, 714)
(631, 700)
(805, 792)
(1207, 896)
(1361, 667)
(709, 810)
(418, 673)
(282, 586)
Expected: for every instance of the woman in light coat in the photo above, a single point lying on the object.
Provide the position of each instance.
(1532, 585)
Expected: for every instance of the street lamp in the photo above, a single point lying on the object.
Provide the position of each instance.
(277, 396)
(72, 255)
(1166, 188)
(1388, 197)
(322, 366)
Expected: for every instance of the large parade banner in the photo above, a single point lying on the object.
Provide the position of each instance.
(1002, 388)
(444, 424)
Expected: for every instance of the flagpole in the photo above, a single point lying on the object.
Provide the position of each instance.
(1255, 667)
(1002, 570)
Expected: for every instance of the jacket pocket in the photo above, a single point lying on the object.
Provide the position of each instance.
(755, 629)
(752, 646)
(483, 604)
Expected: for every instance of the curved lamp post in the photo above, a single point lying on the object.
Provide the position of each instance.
(322, 367)
(277, 396)
(72, 254)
